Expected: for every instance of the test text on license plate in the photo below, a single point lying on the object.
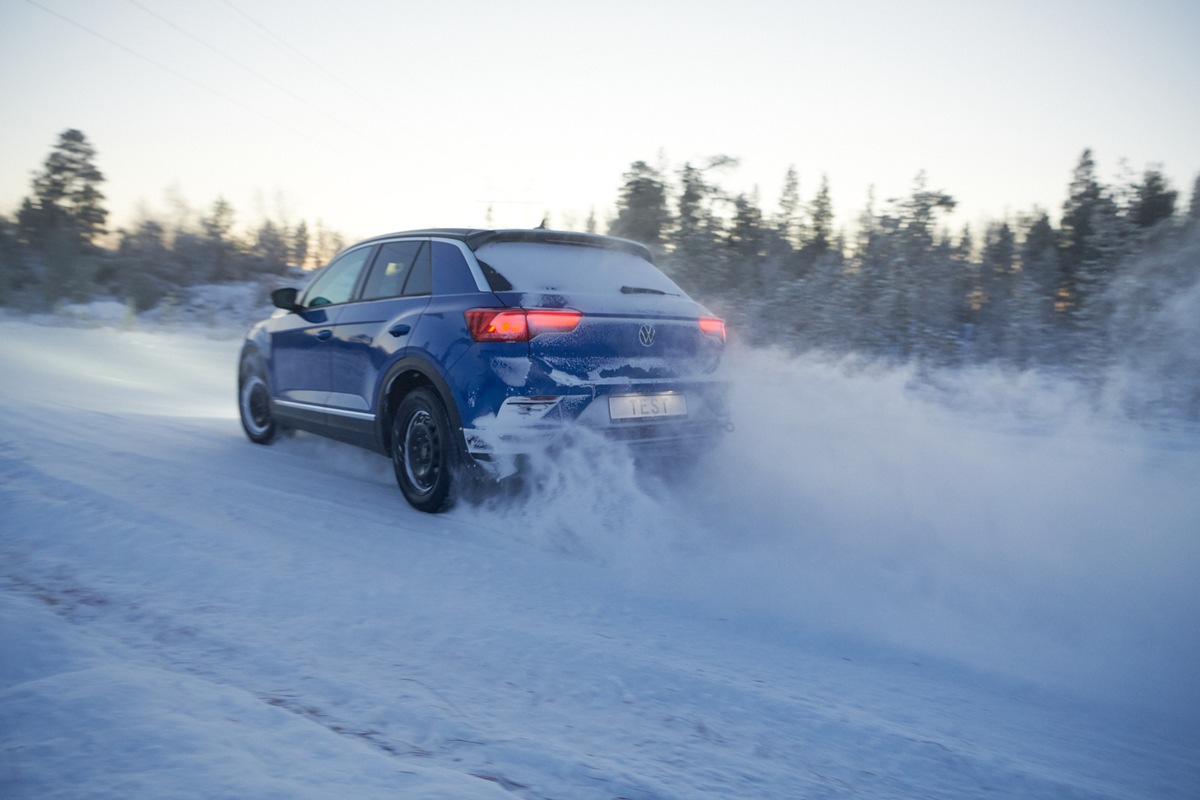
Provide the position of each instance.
(643, 406)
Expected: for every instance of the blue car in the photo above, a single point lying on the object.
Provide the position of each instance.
(456, 352)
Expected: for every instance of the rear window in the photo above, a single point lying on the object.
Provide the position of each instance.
(544, 267)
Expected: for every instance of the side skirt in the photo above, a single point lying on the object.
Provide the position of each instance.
(353, 427)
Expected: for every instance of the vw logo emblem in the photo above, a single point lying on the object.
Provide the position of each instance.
(646, 335)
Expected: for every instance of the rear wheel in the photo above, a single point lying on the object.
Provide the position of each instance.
(254, 405)
(423, 451)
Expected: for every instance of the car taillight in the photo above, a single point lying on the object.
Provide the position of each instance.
(519, 324)
(713, 326)
(497, 325)
(552, 321)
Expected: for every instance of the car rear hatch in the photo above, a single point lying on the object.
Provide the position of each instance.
(635, 324)
(622, 339)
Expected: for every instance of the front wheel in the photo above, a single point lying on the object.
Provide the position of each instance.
(254, 406)
(423, 451)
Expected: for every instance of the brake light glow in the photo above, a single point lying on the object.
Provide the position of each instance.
(713, 326)
(552, 321)
(497, 325)
(519, 324)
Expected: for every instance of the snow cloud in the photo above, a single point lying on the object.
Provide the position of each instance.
(985, 518)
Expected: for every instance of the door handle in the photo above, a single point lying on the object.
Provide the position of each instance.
(324, 335)
(400, 329)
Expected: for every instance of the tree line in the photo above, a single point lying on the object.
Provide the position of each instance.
(1114, 285)
(1113, 288)
(54, 250)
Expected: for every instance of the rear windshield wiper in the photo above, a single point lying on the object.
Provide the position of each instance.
(642, 290)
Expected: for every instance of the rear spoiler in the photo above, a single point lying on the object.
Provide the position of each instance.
(479, 238)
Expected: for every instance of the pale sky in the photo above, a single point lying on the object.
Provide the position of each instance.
(376, 116)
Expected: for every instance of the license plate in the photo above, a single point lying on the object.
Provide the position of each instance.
(646, 406)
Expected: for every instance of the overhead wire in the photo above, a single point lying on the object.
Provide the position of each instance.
(372, 102)
(265, 30)
(176, 73)
(288, 46)
(324, 112)
(479, 170)
(240, 64)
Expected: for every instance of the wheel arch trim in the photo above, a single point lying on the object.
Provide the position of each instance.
(429, 374)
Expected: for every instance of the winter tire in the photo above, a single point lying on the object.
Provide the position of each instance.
(423, 451)
(254, 405)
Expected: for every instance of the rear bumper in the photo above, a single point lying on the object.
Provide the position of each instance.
(525, 425)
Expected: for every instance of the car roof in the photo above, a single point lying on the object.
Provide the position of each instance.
(475, 238)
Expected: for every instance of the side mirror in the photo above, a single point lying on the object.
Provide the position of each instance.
(285, 299)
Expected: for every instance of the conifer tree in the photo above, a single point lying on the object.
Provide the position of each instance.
(1154, 200)
(820, 212)
(784, 234)
(299, 249)
(66, 207)
(993, 305)
(1078, 236)
(918, 214)
(223, 259)
(696, 258)
(61, 221)
(914, 272)
(642, 213)
(788, 224)
(1039, 253)
(747, 248)
(1097, 233)
(272, 247)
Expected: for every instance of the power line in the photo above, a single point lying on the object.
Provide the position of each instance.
(246, 67)
(287, 45)
(141, 56)
(277, 123)
(170, 70)
(373, 103)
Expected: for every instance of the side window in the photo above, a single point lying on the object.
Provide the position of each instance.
(336, 283)
(420, 277)
(392, 266)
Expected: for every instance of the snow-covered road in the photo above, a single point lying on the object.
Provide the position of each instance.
(863, 594)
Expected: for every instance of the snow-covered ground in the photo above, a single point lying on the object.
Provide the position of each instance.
(867, 591)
